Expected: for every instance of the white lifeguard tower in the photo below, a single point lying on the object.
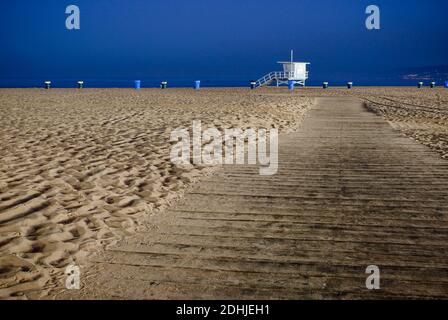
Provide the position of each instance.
(292, 71)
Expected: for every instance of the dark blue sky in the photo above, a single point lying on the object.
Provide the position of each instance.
(217, 39)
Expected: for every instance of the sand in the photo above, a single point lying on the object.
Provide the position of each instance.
(81, 169)
(422, 116)
(350, 192)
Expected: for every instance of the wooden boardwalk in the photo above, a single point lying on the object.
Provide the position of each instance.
(350, 192)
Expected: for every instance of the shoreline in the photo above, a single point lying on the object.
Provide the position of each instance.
(298, 88)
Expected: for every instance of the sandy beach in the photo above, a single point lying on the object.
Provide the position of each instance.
(83, 169)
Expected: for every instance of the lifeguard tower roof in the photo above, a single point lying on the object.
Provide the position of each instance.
(283, 62)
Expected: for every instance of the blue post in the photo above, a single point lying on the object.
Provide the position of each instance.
(446, 84)
(197, 84)
(137, 84)
(291, 85)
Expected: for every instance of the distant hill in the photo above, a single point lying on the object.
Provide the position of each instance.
(434, 73)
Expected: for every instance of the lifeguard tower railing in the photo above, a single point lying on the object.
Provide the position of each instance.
(279, 77)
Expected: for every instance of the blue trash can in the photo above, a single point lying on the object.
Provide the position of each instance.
(291, 85)
(197, 84)
(137, 84)
(446, 84)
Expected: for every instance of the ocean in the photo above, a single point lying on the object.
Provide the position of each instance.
(405, 77)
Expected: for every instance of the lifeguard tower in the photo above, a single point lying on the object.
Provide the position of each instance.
(292, 71)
